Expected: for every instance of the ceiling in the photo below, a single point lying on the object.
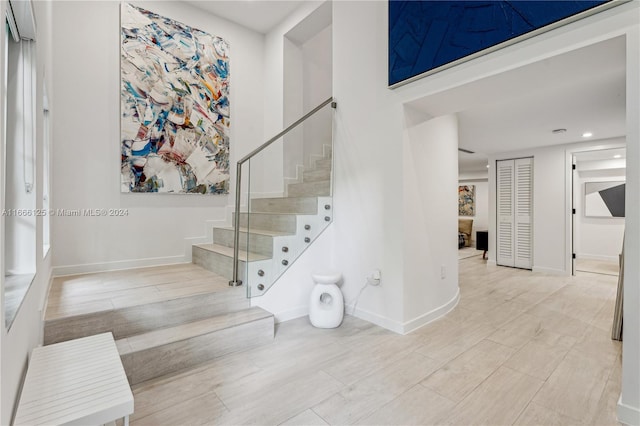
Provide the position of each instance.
(257, 15)
(582, 90)
(601, 154)
(474, 164)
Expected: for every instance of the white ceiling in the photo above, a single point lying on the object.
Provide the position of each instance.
(582, 90)
(257, 15)
(475, 163)
(601, 154)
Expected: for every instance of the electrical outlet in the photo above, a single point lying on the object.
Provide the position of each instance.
(374, 279)
(443, 272)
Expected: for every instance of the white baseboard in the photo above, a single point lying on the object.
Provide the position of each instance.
(45, 296)
(376, 319)
(297, 178)
(550, 271)
(628, 415)
(117, 265)
(408, 326)
(433, 315)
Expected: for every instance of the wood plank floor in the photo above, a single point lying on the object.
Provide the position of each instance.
(520, 348)
(610, 267)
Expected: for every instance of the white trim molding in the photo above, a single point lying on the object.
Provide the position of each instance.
(117, 265)
(628, 415)
(407, 326)
(431, 316)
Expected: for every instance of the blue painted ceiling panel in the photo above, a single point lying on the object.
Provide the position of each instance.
(425, 35)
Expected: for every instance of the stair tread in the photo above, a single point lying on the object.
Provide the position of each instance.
(272, 213)
(317, 182)
(258, 231)
(228, 251)
(149, 295)
(186, 331)
(305, 198)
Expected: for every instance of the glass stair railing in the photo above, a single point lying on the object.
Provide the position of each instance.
(284, 199)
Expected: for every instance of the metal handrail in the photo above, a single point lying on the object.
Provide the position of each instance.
(236, 225)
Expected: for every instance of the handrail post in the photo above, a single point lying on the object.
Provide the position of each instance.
(235, 282)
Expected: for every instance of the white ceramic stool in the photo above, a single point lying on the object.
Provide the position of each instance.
(326, 304)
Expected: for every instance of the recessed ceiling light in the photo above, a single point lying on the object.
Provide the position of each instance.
(558, 131)
(587, 134)
(617, 156)
(488, 166)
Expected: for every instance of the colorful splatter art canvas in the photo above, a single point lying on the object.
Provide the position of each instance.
(467, 200)
(174, 106)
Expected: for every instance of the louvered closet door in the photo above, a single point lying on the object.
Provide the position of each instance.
(514, 179)
(505, 228)
(523, 209)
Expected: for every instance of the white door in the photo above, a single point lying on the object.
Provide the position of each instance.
(504, 177)
(515, 212)
(523, 209)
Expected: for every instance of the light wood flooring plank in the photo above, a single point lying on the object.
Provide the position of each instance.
(362, 398)
(575, 387)
(499, 400)
(457, 378)
(205, 409)
(417, 406)
(306, 418)
(535, 415)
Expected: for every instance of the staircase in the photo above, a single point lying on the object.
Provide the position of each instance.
(164, 319)
(274, 231)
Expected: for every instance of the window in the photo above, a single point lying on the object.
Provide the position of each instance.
(20, 157)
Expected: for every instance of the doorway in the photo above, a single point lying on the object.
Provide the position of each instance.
(598, 200)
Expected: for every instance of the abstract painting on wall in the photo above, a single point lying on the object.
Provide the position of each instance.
(174, 106)
(604, 199)
(467, 200)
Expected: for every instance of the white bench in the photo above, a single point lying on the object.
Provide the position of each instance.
(78, 382)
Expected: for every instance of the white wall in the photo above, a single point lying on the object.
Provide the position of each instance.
(597, 238)
(629, 403)
(551, 201)
(307, 83)
(430, 240)
(367, 230)
(26, 330)
(86, 160)
(317, 72)
(549, 208)
(481, 218)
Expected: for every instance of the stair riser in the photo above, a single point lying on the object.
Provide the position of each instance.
(310, 189)
(262, 244)
(323, 164)
(216, 262)
(270, 222)
(159, 361)
(285, 205)
(133, 320)
(316, 175)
